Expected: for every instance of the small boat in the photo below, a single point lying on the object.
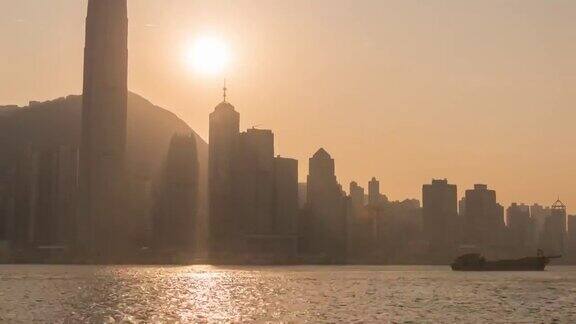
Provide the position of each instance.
(476, 262)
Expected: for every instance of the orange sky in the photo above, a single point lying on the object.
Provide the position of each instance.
(405, 90)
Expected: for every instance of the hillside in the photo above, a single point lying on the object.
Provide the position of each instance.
(57, 122)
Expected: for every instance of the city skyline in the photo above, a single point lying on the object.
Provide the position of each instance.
(484, 124)
(319, 161)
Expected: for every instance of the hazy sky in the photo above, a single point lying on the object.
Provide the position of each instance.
(474, 91)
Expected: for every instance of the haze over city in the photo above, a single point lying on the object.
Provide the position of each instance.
(377, 161)
(476, 92)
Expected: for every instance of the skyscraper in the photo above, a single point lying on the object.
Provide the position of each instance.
(484, 223)
(519, 225)
(554, 235)
(177, 202)
(374, 197)
(256, 181)
(223, 154)
(326, 209)
(440, 205)
(356, 199)
(104, 110)
(285, 196)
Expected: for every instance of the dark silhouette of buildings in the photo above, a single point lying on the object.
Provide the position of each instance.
(356, 200)
(104, 111)
(39, 201)
(571, 238)
(520, 227)
(374, 197)
(41, 209)
(286, 197)
(484, 224)
(223, 152)
(175, 214)
(326, 210)
(440, 214)
(361, 226)
(554, 233)
(253, 195)
(55, 205)
(53, 197)
(30, 132)
(538, 214)
(256, 180)
(267, 189)
(6, 204)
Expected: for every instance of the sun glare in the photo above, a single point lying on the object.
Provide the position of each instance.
(208, 56)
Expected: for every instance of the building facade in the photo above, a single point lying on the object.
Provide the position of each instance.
(223, 154)
(440, 212)
(554, 233)
(254, 195)
(104, 113)
(326, 209)
(484, 223)
(175, 222)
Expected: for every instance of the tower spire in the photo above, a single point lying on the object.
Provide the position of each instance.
(224, 90)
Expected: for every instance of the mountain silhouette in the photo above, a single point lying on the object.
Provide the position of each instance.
(50, 124)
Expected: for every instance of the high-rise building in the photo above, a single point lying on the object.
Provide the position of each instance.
(538, 214)
(43, 202)
(286, 196)
(267, 192)
(56, 197)
(374, 197)
(484, 223)
(104, 111)
(361, 227)
(326, 209)
(175, 223)
(554, 234)
(224, 222)
(440, 213)
(253, 195)
(519, 225)
(256, 181)
(356, 199)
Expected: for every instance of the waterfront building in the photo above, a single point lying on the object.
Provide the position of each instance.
(175, 214)
(326, 209)
(374, 196)
(554, 234)
(440, 214)
(104, 110)
(519, 224)
(484, 220)
(224, 222)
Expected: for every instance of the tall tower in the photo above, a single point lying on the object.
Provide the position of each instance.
(224, 136)
(374, 197)
(554, 235)
(440, 211)
(326, 207)
(104, 111)
(484, 223)
(176, 205)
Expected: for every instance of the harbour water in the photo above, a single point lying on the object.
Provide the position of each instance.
(401, 294)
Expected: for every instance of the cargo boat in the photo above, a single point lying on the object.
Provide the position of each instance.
(476, 262)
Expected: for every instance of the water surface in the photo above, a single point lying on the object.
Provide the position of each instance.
(100, 294)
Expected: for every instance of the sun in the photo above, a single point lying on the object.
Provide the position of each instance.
(208, 55)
